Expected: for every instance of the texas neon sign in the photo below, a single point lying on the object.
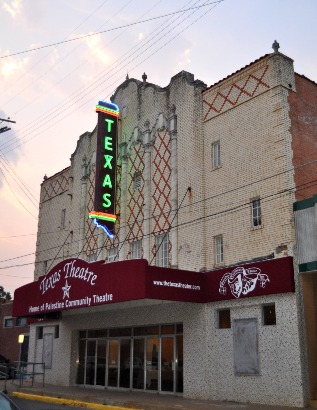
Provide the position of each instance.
(104, 213)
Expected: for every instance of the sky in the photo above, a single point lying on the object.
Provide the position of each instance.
(58, 58)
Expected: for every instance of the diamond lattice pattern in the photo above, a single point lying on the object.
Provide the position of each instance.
(236, 93)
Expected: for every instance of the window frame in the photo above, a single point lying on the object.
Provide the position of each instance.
(39, 332)
(137, 181)
(267, 320)
(219, 256)
(112, 253)
(7, 319)
(21, 321)
(162, 250)
(256, 213)
(136, 249)
(223, 320)
(216, 155)
(63, 218)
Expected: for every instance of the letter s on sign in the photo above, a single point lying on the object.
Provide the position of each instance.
(107, 202)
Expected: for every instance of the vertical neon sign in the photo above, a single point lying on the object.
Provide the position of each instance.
(104, 213)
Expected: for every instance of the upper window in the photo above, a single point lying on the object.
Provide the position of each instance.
(137, 181)
(92, 257)
(256, 212)
(161, 247)
(112, 254)
(21, 321)
(136, 249)
(63, 218)
(219, 249)
(8, 322)
(216, 154)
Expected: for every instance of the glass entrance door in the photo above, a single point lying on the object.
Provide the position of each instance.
(168, 364)
(91, 362)
(113, 362)
(152, 370)
(142, 358)
(101, 362)
(138, 364)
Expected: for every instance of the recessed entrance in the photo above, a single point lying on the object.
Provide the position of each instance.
(142, 358)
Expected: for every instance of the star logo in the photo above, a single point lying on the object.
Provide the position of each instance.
(66, 289)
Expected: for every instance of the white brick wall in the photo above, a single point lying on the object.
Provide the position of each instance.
(250, 119)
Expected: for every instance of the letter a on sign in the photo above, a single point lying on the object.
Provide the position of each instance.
(104, 213)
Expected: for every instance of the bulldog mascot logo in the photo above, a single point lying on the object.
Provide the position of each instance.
(242, 281)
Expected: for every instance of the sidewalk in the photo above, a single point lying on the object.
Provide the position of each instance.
(126, 399)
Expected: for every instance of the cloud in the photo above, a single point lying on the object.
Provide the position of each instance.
(10, 67)
(14, 8)
(97, 50)
(184, 58)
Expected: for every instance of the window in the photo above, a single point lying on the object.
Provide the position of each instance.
(216, 154)
(39, 332)
(161, 246)
(136, 249)
(219, 249)
(8, 322)
(63, 218)
(56, 333)
(44, 267)
(268, 314)
(256, 212)
(137, 181)
(112, 254)
(92, 257)
(224, 319)
(20, 321)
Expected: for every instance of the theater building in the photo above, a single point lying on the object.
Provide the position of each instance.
(165, 252)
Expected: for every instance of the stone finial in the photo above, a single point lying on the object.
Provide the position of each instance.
(275, 46)
(144, 77)
(127, 77)
(45, 177)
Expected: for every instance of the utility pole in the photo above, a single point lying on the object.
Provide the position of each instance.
(4, 129)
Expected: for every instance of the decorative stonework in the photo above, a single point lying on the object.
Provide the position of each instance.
(135, 214)
(238, 92)
(55, 186)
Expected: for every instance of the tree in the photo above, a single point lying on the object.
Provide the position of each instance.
(4, 296)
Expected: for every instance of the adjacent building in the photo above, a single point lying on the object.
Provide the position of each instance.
(198, 292)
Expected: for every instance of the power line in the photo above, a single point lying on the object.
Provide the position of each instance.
(16, 196)
(107, 31)
(192, 204)
(49, 116)
(236, 208)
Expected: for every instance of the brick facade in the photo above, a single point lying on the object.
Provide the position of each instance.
(168, 183)
(9, 346)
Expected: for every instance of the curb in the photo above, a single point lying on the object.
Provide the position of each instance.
(69, 402)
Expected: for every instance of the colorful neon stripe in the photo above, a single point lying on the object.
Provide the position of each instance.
(107, 107)
(102, 216)
(99, 108)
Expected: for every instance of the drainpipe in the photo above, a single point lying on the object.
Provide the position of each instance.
(174, 185)
(147, 190)
(123, 204)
